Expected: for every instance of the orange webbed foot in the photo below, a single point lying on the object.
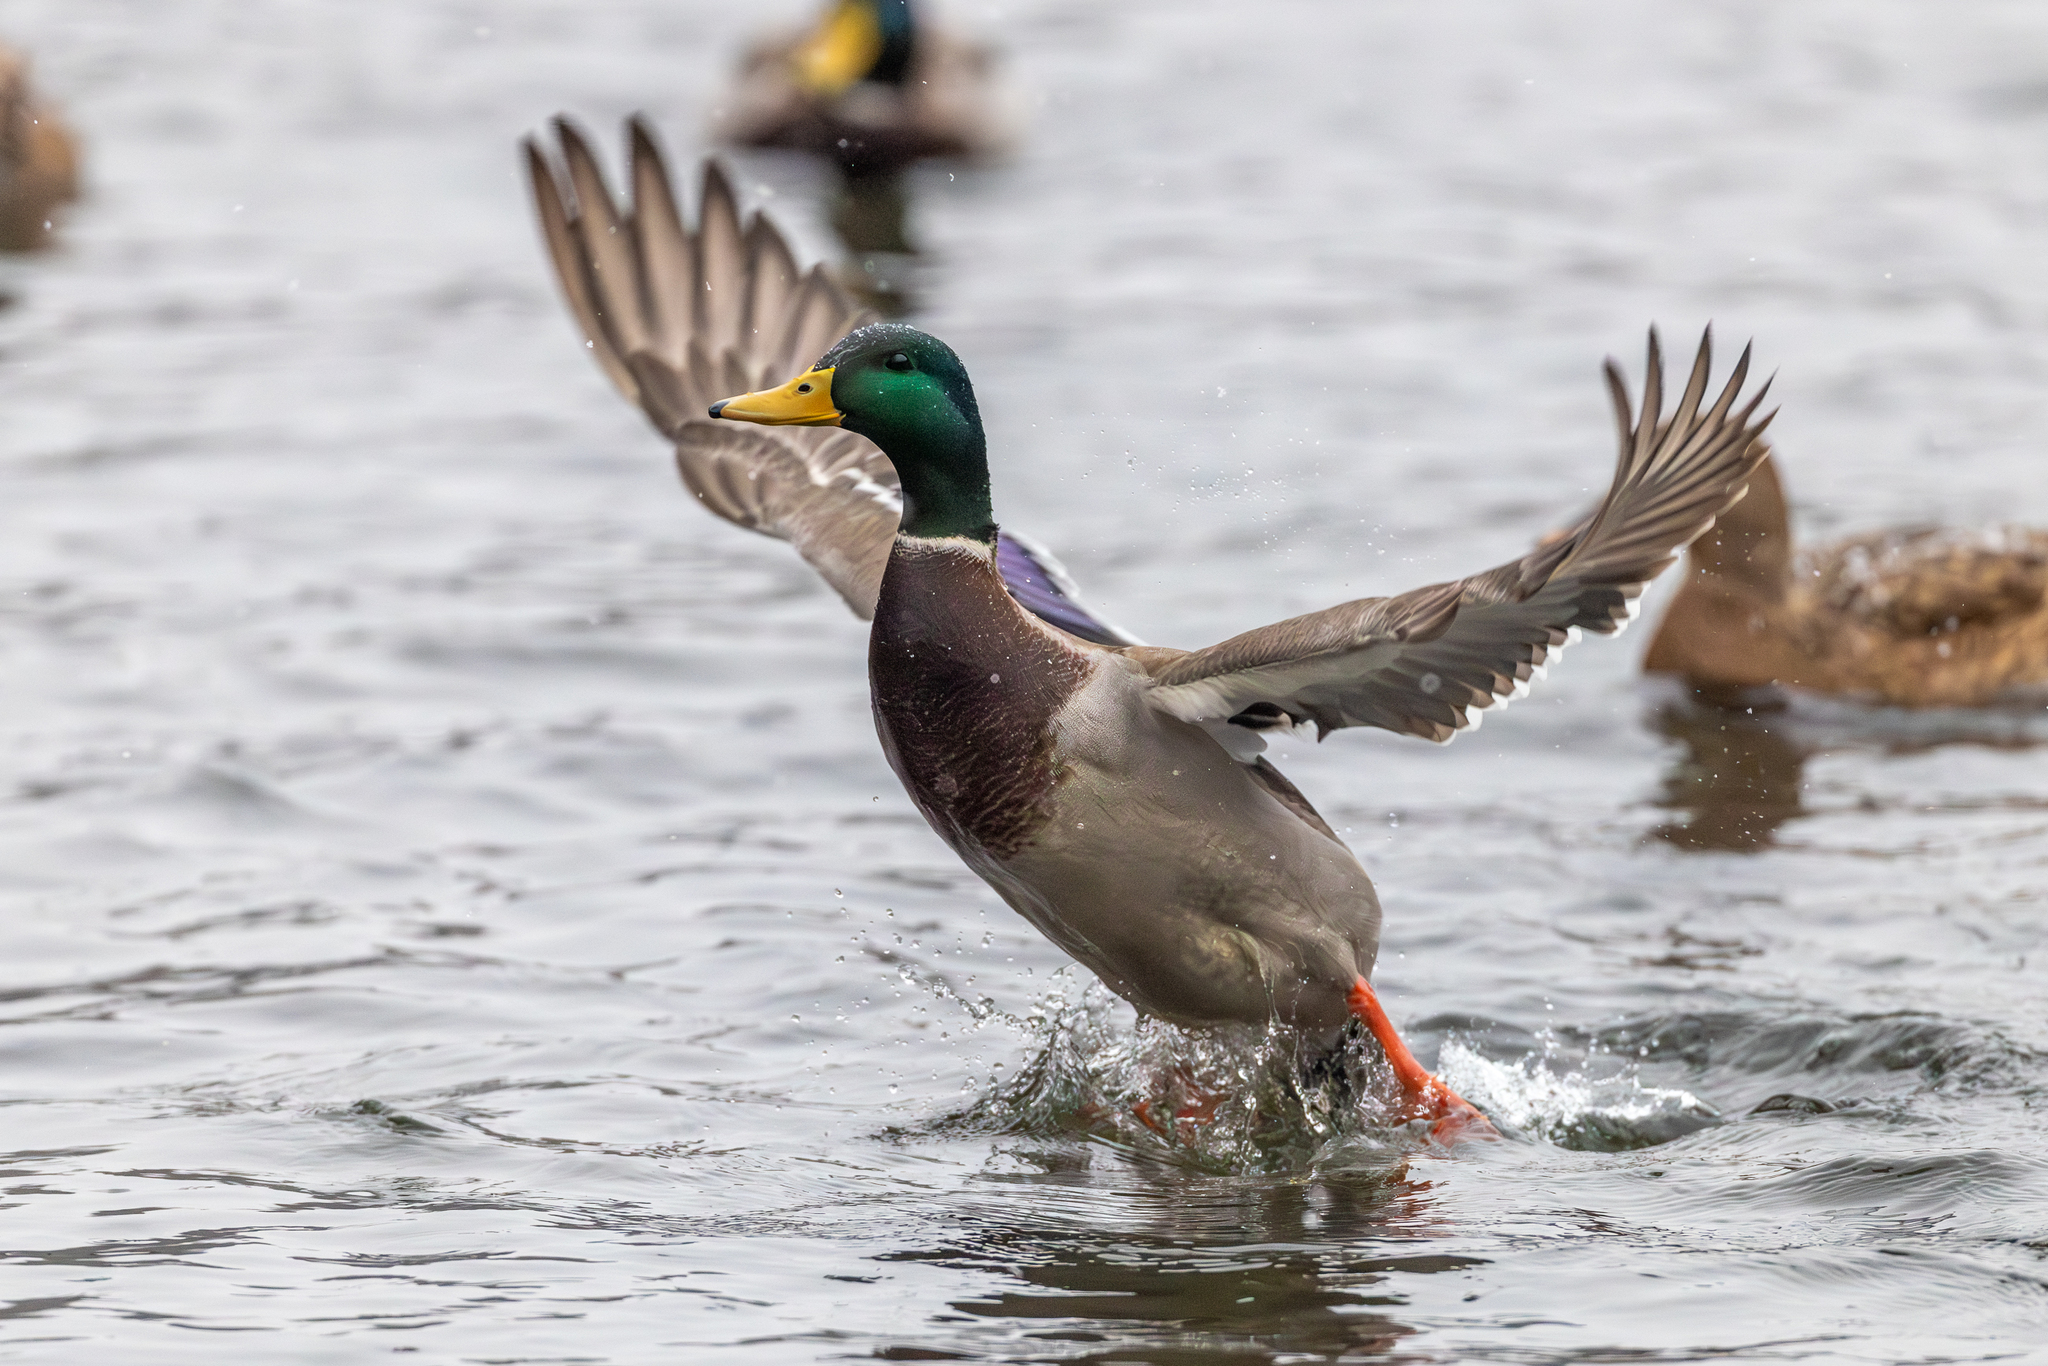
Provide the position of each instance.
(1198, 1106)
(1455, 1119)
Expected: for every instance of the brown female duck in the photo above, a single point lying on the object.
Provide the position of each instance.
(1911, 617)
(1114, 794)
(38, 160)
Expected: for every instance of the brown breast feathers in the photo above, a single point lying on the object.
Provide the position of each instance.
(965, 685)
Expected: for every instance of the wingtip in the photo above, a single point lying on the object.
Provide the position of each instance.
(1756, 400)
(640, 139)
(537, 164)
(1624, 406)
(718, 181)
(577, 148)
(552, 199)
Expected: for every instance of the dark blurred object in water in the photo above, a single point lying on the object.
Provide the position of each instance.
(870, 86)
(1908, 616)
(868, 213)
(1738, 779)
(38, 160)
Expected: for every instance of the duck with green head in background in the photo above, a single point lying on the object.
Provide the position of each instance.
(1115, 794)
(871, 86)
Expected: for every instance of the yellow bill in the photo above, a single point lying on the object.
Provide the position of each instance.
(805, 401)
(841, 52)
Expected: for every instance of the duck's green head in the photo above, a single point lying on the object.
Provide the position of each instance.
(908, 393)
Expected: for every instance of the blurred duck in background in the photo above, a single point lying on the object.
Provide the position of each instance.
(870, 86)
(1907, 617)
(38, 160)
(873, 88)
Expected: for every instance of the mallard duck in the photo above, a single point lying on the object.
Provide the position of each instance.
(871, 86)
(1113, 793)
(38, 160)
(1910, 617)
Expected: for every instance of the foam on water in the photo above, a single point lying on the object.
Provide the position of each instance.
(1573, 1108)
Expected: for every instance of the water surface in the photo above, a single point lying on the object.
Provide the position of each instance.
(456, 906)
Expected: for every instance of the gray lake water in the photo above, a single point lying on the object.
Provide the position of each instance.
(455, 905)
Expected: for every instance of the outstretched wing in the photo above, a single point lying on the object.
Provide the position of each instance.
(1425, 662)
(679, 319)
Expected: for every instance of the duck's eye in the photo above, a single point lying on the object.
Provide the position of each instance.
(899, 361)
(803, 388)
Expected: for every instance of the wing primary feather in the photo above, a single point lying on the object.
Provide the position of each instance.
(1696, 383)
(772, 278)
(1624, 414)
(1731, 389)
(1653, 399)
(722, 267)
(667, 263)
(553, 208)
(607, 250)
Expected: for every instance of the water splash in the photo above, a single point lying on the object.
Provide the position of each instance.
(1236, 1099)
(1247, 1099)
(1573, 1109)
